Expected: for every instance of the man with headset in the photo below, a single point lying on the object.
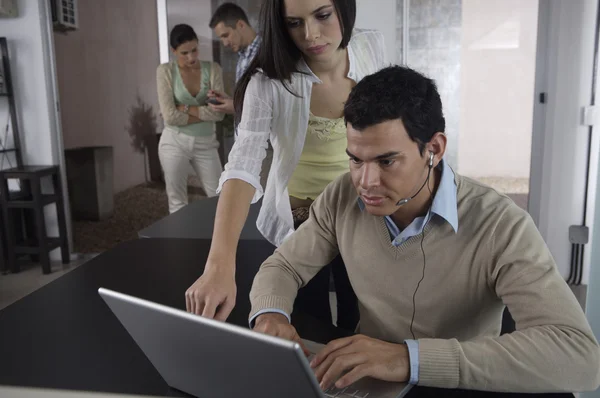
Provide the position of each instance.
(433, 257)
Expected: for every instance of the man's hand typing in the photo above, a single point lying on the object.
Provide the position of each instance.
(360, 356)
(277, 325)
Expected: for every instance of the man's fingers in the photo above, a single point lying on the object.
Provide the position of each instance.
(258, 326)
(298, 340)
(323, 367)
(330, 348)
(353, 376)
(340, 365)
(343, 352)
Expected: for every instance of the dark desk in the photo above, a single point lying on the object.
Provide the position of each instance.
(64, 336)
(196, 221)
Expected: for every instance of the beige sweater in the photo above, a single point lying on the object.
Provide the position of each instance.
(496, 258)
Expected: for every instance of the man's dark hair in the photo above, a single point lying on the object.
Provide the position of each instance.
(397, 92)
(180, 34)
(229, 14)
(278, 56)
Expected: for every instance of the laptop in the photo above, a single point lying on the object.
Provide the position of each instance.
(207, 358)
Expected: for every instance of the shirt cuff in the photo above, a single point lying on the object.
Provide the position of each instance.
(413, 356)
(267, 310)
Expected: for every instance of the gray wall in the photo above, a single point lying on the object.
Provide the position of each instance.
(434, 48)
(102, 73)
(197, 14)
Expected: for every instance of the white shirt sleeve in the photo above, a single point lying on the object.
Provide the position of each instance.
(369, 51)
(380, 51)
(251, 143)
(374, 48)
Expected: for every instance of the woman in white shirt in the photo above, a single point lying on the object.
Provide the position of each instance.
(292, 94)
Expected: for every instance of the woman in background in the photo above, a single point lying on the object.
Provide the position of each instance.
(188, 137)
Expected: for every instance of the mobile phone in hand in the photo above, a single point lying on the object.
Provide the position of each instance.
(213, 101)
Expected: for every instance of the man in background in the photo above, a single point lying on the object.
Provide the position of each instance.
(231, 25)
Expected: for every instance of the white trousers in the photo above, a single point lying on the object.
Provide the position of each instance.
(177, 151)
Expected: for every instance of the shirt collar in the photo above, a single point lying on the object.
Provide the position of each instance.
(247, 50)
(444, 203)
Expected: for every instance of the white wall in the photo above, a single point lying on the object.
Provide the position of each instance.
(380, 15)
(498, 50)
(197, 14)
(32, 66)
(560, 142)
(29, 57)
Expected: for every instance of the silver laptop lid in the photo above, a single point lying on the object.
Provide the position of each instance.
(208, 358)
(29, 392)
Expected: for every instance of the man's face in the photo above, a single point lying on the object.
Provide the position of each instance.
(230, 37)
(386, 165)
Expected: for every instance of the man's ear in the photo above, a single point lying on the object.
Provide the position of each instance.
(437, 145)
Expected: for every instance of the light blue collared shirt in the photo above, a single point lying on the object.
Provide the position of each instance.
(444, 205)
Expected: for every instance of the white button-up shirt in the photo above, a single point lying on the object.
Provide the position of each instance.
(272, 113)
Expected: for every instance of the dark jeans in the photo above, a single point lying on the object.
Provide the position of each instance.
(313, 299)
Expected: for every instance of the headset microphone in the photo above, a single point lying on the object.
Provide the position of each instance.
(406, 200)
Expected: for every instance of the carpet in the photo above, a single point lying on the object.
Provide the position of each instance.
(134, 209)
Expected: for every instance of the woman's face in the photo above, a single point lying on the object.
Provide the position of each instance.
(314, 27)
(187, 53)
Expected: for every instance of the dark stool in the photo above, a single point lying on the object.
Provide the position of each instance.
(30, 197)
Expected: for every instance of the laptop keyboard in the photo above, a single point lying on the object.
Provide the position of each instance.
(345, 392)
